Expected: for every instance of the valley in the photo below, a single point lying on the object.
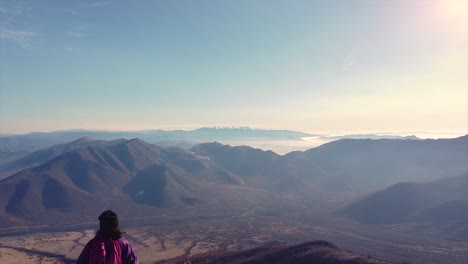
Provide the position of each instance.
(213, 198)
(191, 236)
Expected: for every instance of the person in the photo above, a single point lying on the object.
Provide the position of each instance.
(108, 246)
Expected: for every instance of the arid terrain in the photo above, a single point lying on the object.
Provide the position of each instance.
(251, 229)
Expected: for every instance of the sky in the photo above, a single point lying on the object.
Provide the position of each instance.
(315, 66)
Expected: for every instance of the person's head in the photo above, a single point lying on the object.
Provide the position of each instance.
(109, 225)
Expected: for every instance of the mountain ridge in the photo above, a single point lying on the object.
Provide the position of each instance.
(127, 174)
(317, 252)
(38, 157)
(435, 206)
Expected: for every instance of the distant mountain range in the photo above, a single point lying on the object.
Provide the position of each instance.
(316, 252)
(39, 140)
(370, 136)
(363, 165)
(440, 206)
(343, 166)
(13, 145)
(76, 180)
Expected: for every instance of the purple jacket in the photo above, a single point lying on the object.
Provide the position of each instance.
(127, 252)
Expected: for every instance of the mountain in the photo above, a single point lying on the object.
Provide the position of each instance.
(128, 175)
(72, 181)
(201, 166)
(133, 173)
(317, 252)
(38, 157)
(243, 160)
(344, 167)
(39, 140)
(439, 205)
(260, 169)
(364, 165)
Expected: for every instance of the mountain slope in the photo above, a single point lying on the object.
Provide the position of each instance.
(201, 166)
(342, 168)
(397, 202)
(258, 168)
(76, 177)
(241, 160)
(41, 156)
(159, 186)
(7, 156)
(439, 205)
(363, 165)
(86, 180)
(317, 252)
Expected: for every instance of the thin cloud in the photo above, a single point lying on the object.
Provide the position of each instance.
(10, 12)
(21, 37)
(95, 4)
(349, 62)
(77, 32)
(79, 7)
(66, 11)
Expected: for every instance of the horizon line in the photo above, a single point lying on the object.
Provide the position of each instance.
(193, 128)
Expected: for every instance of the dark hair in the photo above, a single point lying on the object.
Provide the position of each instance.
(109, 225)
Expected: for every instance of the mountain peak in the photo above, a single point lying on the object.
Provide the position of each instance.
(135, 142)
(84, 139)
(138, 144)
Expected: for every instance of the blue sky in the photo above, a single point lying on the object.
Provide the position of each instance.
(316, 66)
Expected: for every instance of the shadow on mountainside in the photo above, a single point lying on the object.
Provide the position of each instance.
(317, 252)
